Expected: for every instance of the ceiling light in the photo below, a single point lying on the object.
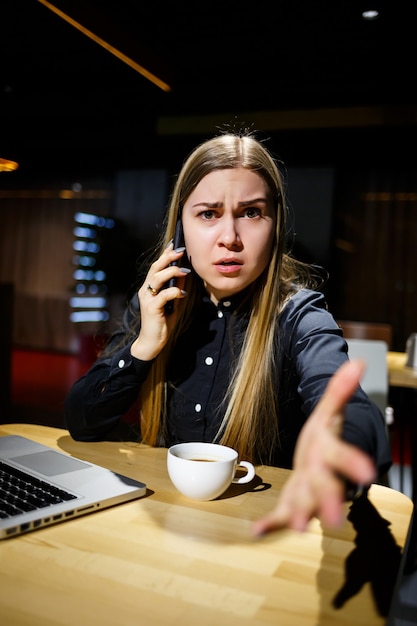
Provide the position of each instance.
(370, 14)
(8, 166)
(151, 76)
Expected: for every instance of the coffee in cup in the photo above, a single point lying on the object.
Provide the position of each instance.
(203, 471)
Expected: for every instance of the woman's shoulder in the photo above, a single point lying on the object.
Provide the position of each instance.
(301, 298)
(305, 319)
(307, 307)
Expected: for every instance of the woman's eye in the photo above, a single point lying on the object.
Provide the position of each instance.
(207, 215)
(252, 212)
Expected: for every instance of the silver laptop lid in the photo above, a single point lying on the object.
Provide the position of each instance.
(90, 487)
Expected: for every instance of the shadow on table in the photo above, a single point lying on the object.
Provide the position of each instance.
(374, 560)
(236, 489)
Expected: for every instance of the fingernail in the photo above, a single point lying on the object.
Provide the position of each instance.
(179, 249)
(185, 270)
(169, 243)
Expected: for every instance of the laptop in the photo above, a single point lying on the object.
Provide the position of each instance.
(403, 609)
(40, 486)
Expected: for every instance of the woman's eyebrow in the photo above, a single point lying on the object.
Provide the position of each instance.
(253, 201)
(217, 205)
(209, 205)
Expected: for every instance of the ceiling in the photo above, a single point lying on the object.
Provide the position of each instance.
(67, 103)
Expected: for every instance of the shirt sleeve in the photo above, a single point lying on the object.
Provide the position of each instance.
(315, 348)
(96, 405)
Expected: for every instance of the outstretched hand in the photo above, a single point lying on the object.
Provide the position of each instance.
(322, 461)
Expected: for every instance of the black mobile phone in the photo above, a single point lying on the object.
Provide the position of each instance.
(178, 243)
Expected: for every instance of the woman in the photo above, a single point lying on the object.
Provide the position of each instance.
(248, 350)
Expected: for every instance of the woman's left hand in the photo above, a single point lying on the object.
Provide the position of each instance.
(322, 462)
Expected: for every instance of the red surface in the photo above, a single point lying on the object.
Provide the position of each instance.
(43, 379)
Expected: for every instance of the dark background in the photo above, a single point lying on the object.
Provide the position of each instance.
(300, 71)
(333, 95)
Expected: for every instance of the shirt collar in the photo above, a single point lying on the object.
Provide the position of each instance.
(229, 304)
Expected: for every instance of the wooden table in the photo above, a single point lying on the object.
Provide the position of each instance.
(165, 560)
(399, 374)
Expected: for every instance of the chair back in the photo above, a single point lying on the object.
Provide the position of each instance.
(367, 330)
(375, 380)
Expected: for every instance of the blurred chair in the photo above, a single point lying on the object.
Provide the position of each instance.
(375, 381)
(367, 330)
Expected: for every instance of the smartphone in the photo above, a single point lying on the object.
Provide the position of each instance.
(178, 243)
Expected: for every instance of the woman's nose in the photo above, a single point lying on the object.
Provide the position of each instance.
(229, 235)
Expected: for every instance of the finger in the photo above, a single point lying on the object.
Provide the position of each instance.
(350, 462)
(330, 505)
(278, 519)
(301, 500)
(160, 278)
(340, 388)
(162, 263)
(285, 516)
(267, 524)
(294, 508)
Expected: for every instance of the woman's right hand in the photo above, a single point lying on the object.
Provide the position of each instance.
(156, 325)
(322, 462)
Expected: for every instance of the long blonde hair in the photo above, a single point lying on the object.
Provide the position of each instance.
(250, 423)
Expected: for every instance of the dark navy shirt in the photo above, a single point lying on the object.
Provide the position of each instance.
(310, 348)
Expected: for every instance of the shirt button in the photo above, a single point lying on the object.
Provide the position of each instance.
(121, 363)
(227, 303)
(208, 360)
(219, 313)
(197, 408)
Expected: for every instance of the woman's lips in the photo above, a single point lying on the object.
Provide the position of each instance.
(228, 267)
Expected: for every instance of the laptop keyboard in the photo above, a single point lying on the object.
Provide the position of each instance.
(21, 492)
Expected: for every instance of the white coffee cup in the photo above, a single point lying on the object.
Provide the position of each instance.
(203, 471)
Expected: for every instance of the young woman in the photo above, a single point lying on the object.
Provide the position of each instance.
(241, 349)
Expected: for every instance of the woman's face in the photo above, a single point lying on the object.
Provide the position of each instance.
(229, 225)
